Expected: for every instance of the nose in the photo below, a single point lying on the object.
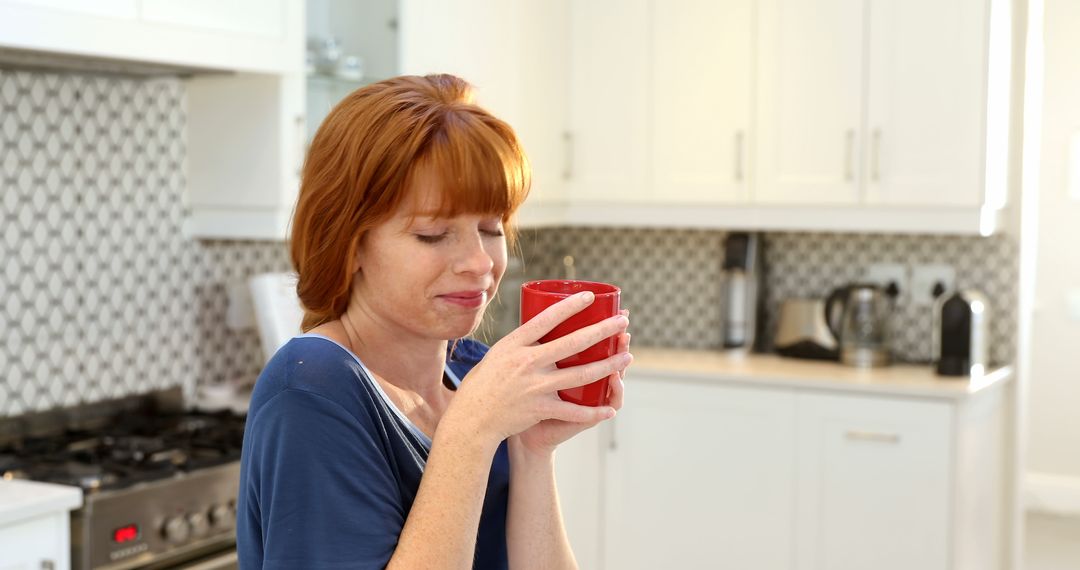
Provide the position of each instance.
(473, 257)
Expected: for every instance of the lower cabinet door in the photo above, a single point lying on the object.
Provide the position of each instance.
(699, 476)
(36, 543)
(873, 483)
(577, 476)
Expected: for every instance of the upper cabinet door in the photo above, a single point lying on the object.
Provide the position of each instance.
(254, 17)
(926, 104)
(609, 101)
(810, 96)
(514, 54)
(702, 61)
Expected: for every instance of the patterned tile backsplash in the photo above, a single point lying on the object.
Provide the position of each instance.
(101, 295)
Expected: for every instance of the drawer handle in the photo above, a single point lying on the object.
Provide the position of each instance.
(857, 435)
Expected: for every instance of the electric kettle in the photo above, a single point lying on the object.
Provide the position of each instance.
(864, 324)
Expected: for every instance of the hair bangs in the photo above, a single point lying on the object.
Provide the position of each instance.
(478, 165)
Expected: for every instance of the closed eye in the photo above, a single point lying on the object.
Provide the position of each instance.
(430, 239)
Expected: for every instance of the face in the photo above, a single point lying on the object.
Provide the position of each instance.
(425, 276)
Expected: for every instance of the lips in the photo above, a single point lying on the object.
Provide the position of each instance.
(470, 299)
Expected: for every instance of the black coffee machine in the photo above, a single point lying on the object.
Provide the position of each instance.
(961, 334)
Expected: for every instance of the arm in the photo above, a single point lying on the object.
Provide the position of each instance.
(535, 536)
(440, 531)
(510, 390)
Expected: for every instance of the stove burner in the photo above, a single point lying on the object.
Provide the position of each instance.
(131, 449)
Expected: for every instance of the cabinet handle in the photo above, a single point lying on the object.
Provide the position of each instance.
(849, 155)
(48, 565)
(568, 147)
(875, 156)
(301, 144)
(611, 438)
(739, 137)
(858, 435)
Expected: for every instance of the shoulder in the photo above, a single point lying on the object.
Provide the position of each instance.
(312, 366)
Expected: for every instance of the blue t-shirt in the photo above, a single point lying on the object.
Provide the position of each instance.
(330, 468)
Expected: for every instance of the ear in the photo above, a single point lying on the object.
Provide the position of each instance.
(354, 264)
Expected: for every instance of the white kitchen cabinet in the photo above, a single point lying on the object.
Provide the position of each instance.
(699, 476)
(610, 102)
(578, 475)
(926, 103)
(873, 483)
(34, 525)
(884, 105)
(810, 95)
(36, 543)
(756, 462)
(702, 83)
(504, 48)
(207, 35)
(512, 54)
(264, 18)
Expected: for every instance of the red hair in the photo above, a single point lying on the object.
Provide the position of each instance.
(359, 168)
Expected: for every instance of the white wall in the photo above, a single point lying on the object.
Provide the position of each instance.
(1053, 459)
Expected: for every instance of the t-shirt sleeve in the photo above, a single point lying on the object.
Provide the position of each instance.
(325, 492)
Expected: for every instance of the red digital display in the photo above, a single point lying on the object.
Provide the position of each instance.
(126, 533)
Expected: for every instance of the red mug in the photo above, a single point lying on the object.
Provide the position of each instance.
(539, 295)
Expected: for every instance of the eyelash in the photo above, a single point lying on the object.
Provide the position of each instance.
(438, 238)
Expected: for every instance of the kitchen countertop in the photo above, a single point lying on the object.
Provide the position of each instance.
(778, 371)
(21, 500)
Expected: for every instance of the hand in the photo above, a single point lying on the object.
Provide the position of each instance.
(514, 386)
(545, 436)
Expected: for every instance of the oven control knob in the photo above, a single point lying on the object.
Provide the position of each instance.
(199, 524)
(176, 530)
(220, 516)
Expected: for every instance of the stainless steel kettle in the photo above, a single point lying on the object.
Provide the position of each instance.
(865, 333)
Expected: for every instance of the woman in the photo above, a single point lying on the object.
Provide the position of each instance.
(375, 439)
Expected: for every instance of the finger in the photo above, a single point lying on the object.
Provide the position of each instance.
(575, 376)
(532, 331)
(583, 338)
(571, 412)
(616, 392)
(624, 343)
(622, 373)
(624, 312)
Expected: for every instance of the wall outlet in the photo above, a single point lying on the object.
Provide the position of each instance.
(882, 274)
(925, 277)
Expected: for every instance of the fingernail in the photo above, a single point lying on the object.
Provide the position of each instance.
(587, 296)
(609, 413)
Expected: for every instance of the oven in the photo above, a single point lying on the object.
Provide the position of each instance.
(159, 482)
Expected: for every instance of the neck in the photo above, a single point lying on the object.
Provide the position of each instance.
(381, 347)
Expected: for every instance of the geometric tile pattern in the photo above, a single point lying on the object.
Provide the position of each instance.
(812, 264)
(101, 296)
(671, 278)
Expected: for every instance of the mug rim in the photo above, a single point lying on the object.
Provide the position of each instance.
(530, 286)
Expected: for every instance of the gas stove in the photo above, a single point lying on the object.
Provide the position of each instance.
(159, 482)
